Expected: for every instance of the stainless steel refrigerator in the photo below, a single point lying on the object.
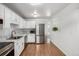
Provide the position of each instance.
(40, 33)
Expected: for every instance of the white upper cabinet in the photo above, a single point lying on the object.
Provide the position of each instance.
(18, 19)
(13, 18)
(1, 11)
(9, 17)
(29, 24)
(7, 14)
(1, 16)
(21, 23)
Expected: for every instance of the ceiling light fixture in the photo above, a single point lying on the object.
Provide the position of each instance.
(35, 14)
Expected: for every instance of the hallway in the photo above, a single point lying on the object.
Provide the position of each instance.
(41, 50)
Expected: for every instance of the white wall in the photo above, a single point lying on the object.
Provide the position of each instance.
(67, 38)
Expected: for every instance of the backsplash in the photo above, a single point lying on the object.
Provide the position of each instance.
(20, 31)
(5, 33)
(23, 31)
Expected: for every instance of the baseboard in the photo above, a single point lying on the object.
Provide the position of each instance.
(30, 43)
(57, 48)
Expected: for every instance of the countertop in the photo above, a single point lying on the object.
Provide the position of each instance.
(2, 39)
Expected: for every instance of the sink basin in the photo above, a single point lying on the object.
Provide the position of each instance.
(17, 37)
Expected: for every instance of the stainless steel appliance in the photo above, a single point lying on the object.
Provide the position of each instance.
(40, 33)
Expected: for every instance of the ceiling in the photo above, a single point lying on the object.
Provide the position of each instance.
(36, 10)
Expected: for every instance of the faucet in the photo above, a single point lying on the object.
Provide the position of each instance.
(12, 33)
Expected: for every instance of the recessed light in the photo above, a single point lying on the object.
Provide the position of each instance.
(48, 12)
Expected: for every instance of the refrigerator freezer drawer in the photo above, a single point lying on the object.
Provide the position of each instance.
(40, 39)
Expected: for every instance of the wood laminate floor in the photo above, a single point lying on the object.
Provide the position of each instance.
(41, 50)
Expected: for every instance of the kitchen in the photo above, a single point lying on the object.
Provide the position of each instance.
(16, 32)
(39, 29)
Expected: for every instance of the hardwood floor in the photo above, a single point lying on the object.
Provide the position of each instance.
(41, 50)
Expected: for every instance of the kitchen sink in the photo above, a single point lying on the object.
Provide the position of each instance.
(16, 37)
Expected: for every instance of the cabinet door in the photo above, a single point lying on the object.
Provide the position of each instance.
(1, 11)
(7, 18)
(19, 46)
(30, 24)
(16, 49)
(14, 18)
(8, 14)
(31, 38)
(1, 17)
(21, 23)
(22, 44)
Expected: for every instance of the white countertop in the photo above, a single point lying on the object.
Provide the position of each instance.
(2, 39)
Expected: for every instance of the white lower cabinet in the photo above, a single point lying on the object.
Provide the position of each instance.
(18, 46)
(30, 38)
